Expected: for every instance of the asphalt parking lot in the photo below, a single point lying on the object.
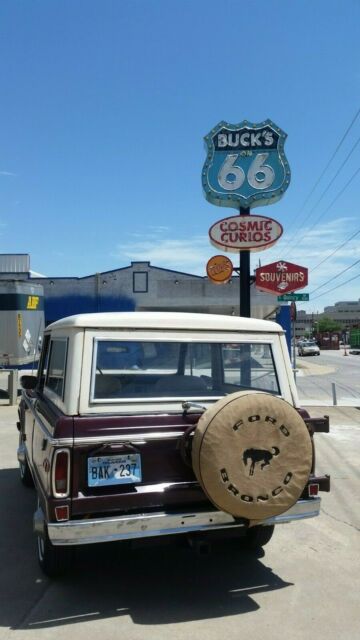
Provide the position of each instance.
(306, 583)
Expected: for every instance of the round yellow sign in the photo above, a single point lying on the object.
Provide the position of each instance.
(219, 269)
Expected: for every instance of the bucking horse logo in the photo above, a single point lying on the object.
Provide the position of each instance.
(259, 455)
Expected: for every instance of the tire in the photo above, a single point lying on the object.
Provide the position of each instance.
(25, 473)
(252, 455)
(258, 536)
(53, 560)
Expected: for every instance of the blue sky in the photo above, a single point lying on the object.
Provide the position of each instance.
(104, 106)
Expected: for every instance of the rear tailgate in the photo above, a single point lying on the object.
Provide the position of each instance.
(126, 463)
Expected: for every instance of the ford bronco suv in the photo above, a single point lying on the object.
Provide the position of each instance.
(150, 424)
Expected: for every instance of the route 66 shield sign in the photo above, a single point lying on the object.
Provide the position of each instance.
(246, 165)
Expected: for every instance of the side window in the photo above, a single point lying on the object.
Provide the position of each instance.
(44, 360)
(55, 375)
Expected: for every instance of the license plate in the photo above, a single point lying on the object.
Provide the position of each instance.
(106, 471)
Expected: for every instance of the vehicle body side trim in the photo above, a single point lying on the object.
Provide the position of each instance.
(131, 437)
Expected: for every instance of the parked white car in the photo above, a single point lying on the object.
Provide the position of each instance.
(309, 348)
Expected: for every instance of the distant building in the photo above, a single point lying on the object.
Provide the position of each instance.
(145, 287)
(304, 323)
(346, 313)
(14, 266)
(141, 286)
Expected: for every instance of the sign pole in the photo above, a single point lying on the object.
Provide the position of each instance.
(244, 276)
(293, 314)
(294, 347)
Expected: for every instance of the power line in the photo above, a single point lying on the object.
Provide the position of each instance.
(338, 275)
(329, 207)
(324, 192)
(336, 174)
(337, 287)
(325, 169)
(336, 250)
(331, 159)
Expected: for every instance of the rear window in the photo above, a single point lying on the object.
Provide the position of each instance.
(161, 369)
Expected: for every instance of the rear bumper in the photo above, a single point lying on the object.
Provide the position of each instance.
(78, 532)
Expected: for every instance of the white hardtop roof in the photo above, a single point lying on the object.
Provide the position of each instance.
(165, 320)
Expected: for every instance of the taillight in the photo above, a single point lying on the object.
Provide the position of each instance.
(313, 489)
(62, 513)
(61, 473)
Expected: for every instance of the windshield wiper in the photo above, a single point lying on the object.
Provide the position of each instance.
(186, 405)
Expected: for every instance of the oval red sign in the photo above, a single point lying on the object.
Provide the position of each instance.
(245, 232)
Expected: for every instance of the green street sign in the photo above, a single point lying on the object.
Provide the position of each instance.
(294, 297)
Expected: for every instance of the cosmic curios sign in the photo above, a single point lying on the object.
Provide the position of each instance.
(245, 233)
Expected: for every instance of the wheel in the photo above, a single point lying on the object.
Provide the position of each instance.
(54, 561)
(252, 455)
(259, 536)
(25, 473)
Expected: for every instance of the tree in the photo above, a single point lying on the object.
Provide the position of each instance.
(327, 324)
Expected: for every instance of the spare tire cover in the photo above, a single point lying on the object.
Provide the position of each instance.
(252, 455)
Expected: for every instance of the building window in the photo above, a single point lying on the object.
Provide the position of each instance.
(140, 282)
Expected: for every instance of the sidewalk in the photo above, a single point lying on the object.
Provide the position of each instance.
(307, 367)
(339, 416)
(324, 385)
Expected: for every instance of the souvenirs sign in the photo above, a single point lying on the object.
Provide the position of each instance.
(245, 232)
(281, 277)
(245, 165)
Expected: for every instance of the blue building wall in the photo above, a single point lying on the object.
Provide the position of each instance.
(283, 318)
(68, 305)
(146, 288)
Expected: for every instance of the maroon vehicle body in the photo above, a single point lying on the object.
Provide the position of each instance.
(64, 421)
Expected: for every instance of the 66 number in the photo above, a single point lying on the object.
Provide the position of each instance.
(259, 175)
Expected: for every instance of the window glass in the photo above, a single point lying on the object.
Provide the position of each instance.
(134, 369)
(56, 368)
(250, 366)
(198, 358)
(44, 359)
(118, 355)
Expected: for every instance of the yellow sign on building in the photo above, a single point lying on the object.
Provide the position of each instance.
(19, 324)
(33, 302)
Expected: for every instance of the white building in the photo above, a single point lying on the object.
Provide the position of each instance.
(346, 313)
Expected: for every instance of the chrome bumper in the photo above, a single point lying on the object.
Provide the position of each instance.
(75, 532)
